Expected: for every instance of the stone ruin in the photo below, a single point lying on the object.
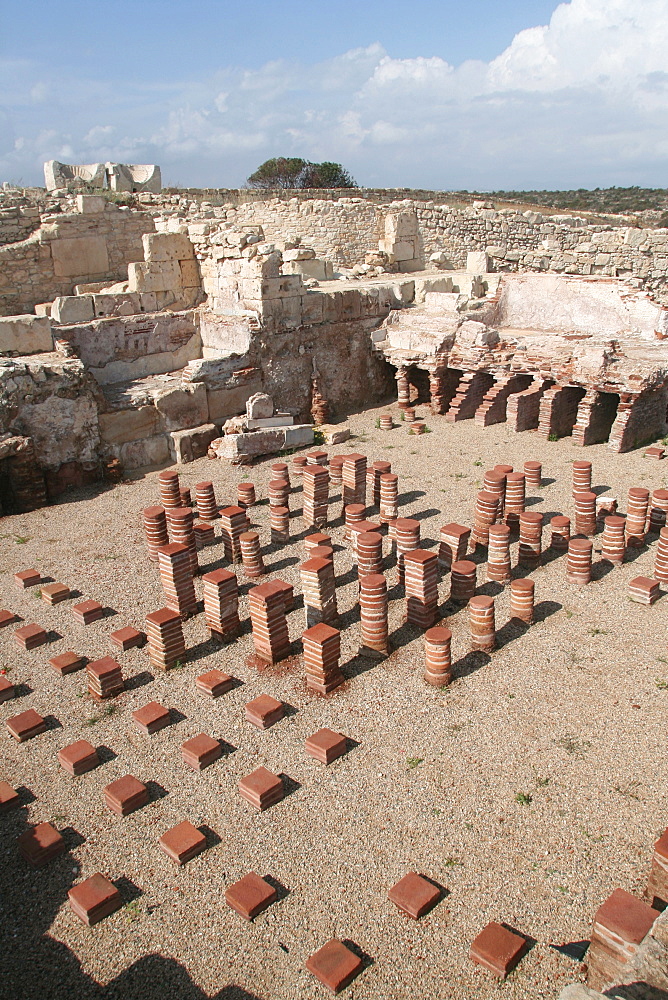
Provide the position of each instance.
(129, 337)
(116, 176)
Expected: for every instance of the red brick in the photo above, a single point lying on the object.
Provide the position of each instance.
(214, 683)
(79, 757)
(335, 965)
(94, 899)
(27, 578)
(128, 638)
(261, 788)
(151, 717)
(498, 949)
(30, 636)
(87, 612)
(6, 618)
(200, 751)
(183, 842)
(326, 745)
(9, 797)
(626, 916)
(40, 844)
(125, 795)
(26, 725)
(414, 895)
(250, 895)
(67, 663)
(54, 593)
(264, 711)
(7, 690)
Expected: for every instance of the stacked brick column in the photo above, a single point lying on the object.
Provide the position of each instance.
(613, 545)
(298, 463)
(515, 497)
(315, 480)
(581, 477)
(279, 470)
(481, 624)
(661, 558)
(533, 472)
(270, 627)
(164, 634)
(322, 650)
(374, 473)
(354, 479)
(438, 662)
(495, 483)
(373, 614)
(403, 388)
(336, 469)
(170, 493)
(620, 925)
(176, 577)
(233, 522)
(353, 514)
(531, 535)
(522, 600)
(181, 529)
(245, 495)
(221, 602)
(155, 530)
(462, 581)
(319, 590)
(585, 513)
(407, 538)
(421, 581)
(388, 497)
(251, 555)
(369, 546)
(658, 510)
(656, 892)
(279, 491)
(578, 567)
(498, 557)
(486, 508)
(205, 501)
(279, 520)
(636, 515)
(453, 546)
(561, 532)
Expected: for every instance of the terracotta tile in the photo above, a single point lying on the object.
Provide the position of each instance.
(87, 611)
(498, 949)
(414, 895)
(200, 751)
(6, 618)
(79, 757)
(214, 683)
(9, 797)
(183, 842)
(26, 725)
(264, 711)
(151, 717)
(250, 895)
(7, 690)
(128, 638)
(40, 844)
(94, 899)
(31, 636)
(27, 578)
(335, 965)
(261, 788)
(626, 916)
(326, 745)
(67, 663)
(125, 795)
(54, 593)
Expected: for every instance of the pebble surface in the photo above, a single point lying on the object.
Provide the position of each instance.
(530, 788)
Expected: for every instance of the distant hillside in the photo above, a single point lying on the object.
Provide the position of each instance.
(605, 201)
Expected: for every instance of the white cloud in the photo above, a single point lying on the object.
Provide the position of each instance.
(580, 101)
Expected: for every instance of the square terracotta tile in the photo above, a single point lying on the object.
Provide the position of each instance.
(78, 758)
(7, 690)
(31, 636)
(183, 842)
(94, 899)
(26, 725)
(626, 916)
(6, 618)
(414, 895)
(40, 844)
(87, 611)
(214, 683)
(128, 638)
(125, 795)
(67, 663)
(54, 593)
(326, 745)
(9, 797)
(250, 895)
(261, 788)
(151, 718)
(27, 578)
(498, 949)
(264, 711)
(335, 965)
(200, 751)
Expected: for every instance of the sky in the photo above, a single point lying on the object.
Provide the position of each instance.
(482, 95)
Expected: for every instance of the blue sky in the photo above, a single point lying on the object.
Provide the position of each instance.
(480, 95)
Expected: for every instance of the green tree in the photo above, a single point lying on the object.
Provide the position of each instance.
(293, 172)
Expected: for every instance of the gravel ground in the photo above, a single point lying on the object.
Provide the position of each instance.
(530, 788)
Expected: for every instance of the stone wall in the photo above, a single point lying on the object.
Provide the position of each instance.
(69, 249)
(17, 223)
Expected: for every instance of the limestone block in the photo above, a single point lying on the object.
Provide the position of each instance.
(335, 434)
(577, 991)
(189, 445)
(400, 224)
(144, 452)
(224, 403)
(278, 420)
(427, 286)
(25, 334)
(122, 426)
(400, 251)
(298, 436)
(134, 177)
(410, 266)
(260, 406)
(312, 306)
(301, 253)
(147, 302)
(183, 407)
(90, 204)
(63, 175)
(159, 276)
(190, 276)
(116, 305)
(477, 261)
(316, 270)
(43, 308)
(83, 255)
(68, 309)
(167, 247)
